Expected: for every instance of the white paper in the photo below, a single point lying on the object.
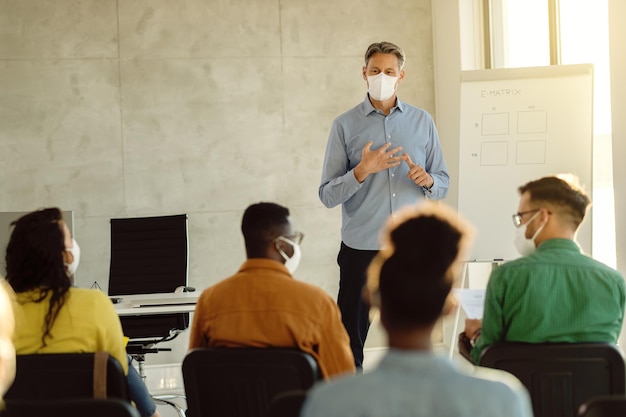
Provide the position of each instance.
(472, 301)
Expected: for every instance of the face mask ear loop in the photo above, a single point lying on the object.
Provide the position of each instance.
(282, 253)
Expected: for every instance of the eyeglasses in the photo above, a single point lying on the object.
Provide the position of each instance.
(296, 237)
(517, 217)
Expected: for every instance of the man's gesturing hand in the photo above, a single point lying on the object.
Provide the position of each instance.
(417, 174)
(373, 161)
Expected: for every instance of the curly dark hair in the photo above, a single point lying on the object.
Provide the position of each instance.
(34, 261)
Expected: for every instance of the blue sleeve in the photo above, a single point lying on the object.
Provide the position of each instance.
(436, 166)
(338, 181)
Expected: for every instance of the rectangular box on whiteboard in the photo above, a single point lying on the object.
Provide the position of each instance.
(495, 124)
(494, 153)
(536, 107)
(530, 152)
(532, 122)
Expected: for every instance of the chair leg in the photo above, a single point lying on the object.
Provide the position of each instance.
(164, 399)
(161, 399)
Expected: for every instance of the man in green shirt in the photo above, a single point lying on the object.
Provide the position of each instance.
(554, 293)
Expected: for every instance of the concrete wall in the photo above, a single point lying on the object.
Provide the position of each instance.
(121, 108)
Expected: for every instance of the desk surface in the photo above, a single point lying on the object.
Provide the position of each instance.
(164, 303)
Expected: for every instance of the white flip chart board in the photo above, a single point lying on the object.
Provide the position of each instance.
(518, 125)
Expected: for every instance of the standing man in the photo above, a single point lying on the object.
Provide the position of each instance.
(554, 293)
(381, 155)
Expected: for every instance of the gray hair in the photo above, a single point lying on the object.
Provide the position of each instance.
(385, 48)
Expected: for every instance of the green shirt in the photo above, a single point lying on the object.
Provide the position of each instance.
(556, 294)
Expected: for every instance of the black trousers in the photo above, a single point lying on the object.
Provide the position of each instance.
(353, 265)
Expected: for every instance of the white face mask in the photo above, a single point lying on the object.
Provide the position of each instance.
(526, 246)
(290, 263)
(75, 251)
(381, 86)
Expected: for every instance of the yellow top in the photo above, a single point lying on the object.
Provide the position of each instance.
(87, 322)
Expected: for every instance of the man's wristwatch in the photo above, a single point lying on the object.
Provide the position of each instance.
(475, 337)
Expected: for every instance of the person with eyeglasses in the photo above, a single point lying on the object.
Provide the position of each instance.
(262, 305)
(554, 292)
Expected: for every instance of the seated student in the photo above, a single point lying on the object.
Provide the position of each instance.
(7, 350)
(554, 293)
(410, 282)
(51, 315)
(262, 305)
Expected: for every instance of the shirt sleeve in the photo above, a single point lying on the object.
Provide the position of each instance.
(493, 316)
(621, 296)
(436, 166)
(338, 181)
(196, 335)
(335, 355)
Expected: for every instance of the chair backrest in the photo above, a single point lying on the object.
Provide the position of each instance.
(287, 404)
(605, 406)
(149, 255)
(68, 375)
(70, 408)
(242, 382)
(560, 376)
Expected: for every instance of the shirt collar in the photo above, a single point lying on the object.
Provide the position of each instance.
(264, 263)
(368, 108)
(566, 244)
(415, 360)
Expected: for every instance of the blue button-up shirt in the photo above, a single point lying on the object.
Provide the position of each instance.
(366, 206)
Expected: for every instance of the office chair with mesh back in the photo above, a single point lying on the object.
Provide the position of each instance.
(77, 407)
(560, 376)
(242, 382)
(54, 376)
(149, 255)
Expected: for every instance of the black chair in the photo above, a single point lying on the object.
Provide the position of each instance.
(287, 404)
(242, 382)
(150, 255)
(560, 376)
(53, 376)
(69, 408)
(605, 406)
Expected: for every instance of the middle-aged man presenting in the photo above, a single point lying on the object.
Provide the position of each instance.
(554, 293)
(381, 155)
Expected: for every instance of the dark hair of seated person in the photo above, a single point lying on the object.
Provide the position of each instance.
(411, 278)
(34, 260)
(262, 223)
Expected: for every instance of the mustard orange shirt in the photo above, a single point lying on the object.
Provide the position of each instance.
(264, 306)
(87, 322)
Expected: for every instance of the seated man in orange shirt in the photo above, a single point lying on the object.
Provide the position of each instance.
(262, 305)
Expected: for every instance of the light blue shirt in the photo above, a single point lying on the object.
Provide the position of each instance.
(410, 384)
(366, 206)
